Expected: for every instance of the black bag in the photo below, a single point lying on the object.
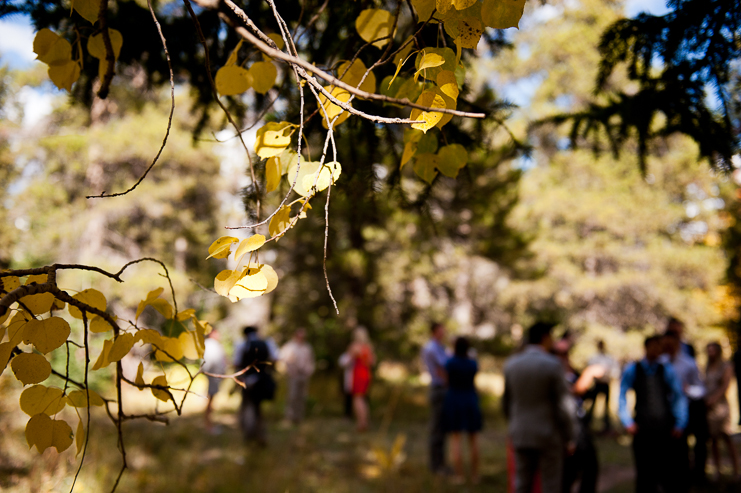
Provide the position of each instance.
(257, 357)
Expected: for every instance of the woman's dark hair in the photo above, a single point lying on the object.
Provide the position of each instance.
(461, 347)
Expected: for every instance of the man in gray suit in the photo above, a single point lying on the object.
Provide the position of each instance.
(541, 412)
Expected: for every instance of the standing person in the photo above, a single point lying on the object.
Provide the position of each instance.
(676, 325)
(363, 358)
(461, 410)
(602, 384)
(659, 420)
(694, 389)
(435, 357)
(255, 355)
(346, 363)
(718, 377)
(214, 361)
(298, 357)
(540, 410)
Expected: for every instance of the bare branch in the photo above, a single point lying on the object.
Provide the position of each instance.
(110, 57)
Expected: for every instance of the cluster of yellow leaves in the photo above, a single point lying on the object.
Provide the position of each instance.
(246, 282)
(355, 74)
(233, 79)
(422, 150)
(96, 48)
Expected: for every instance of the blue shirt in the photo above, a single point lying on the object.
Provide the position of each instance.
(435, 357)
(677, 399)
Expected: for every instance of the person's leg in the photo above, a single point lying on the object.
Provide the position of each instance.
(437, 434)
(606, 417)
(716, 455)
(674, 463)
(291, 399)
(589, 468)
(699, 417)
(473, 442)
(361, 412)
(526, 467)
(551, 469)
(645, 450)
(456, 455)
(301, 395)
(207, 413)
(732, 453)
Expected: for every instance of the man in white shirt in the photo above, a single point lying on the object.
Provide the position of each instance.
(602, 384)
(298, 357)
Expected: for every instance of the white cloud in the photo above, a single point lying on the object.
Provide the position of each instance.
(16, 42)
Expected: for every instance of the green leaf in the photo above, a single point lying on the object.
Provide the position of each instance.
(451, 159)
(425, 166)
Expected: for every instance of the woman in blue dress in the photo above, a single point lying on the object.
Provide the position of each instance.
(461, 411)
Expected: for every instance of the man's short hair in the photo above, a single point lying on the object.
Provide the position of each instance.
(461, 347)
(672, 334)
(651, 340)
(674, 321)
(539, 331)
(250, 329)
(434, 326)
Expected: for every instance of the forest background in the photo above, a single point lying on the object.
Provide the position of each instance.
(579, 237)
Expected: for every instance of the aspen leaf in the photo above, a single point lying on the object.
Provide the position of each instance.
(185, 314)
(102, 360)
(373, 24)
(272, 138)
(161, 394)
(163, 306)
(277, 39)
(424, 167)
(149, 336)
(225, 280)
(427, 143)
(139, 380)
(221, 248)
(451, 158)
(30, 368)
(200, 336)
(252, 284)
(263, 76)
(188, 343)
(311, 172)
(51, 48)
(170, 350)
(6, 349)
(249, 245)
(16, 327)
(63, 76)
(430, 118)
(332, 110)
(401, 59)
(231, 80)
(280, 221)
(429, 60)
(78, 398)
(463, 4)
(38, 303)
(272, 174)
(36, 279)
(470, 30)
(10, 283)
(353, 74)
(450, 103)
(46, 335)
(96, 44)
(88, 9)
(448, 84)
(443, 5)
(98, 325)
(42, 399)
(58, 304)
(431, 73)
(502, 14)
(121, 346)
(409, 149)
(288, 158)
(80, 437)
(154, 294)
(90, 297)
(424, 8)
(271, 277)
(44, 432)
(232, 60)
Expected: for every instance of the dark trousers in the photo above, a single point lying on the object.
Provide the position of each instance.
(657, 457)
(250, 419)
(583, 464)
(698, 427)
(437, 433)
(601, 388)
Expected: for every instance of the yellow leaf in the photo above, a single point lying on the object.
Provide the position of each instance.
(46, 335)
(225, 280)
(121, 346)
(353, 74)
(170, 350)
(231, 80)
(287, 158)
(280, 221)
(98, 325)
(469, 30)
(273, 138)
(9, 283)
(96, 45)
(102, 360)
(188, 343)
(429, 60)
(38, 303)
(186, 314)
(139, 380)
(311, 172)
(90, 297)
(43, 432)
(51, 48)
(232, 60)
(448, 84)
(163, 306)
(36, 279)
(30, 368)
(263, 76)
(450, 103)
(272, 174)
(409, 149)
(149, 336)
(501, 14)
(80, 438)
(425, 165)
(443, 5)
(6, 348)
(63, 76)
(221, 248)
(433, 100)
(16, 327)
(451, 158)
(161, 394)
(41, 399)
(373, 24)
(58, 305)
(78, 398)
(401, 59)
(463, 4)
(332, 110)
(252, 284)
(277, 39)
(88, 9)
(249, 245)
(151, 296)
(431, 73)
(424, 8)
(271, 277)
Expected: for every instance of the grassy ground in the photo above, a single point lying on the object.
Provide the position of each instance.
(323, 454)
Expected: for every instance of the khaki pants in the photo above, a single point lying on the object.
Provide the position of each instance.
(296, 403)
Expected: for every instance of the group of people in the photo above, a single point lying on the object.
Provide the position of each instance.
(549, 430)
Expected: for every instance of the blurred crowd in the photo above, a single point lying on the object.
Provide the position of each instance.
(674, 412)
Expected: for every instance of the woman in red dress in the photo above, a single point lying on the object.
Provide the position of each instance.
(361, 351)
